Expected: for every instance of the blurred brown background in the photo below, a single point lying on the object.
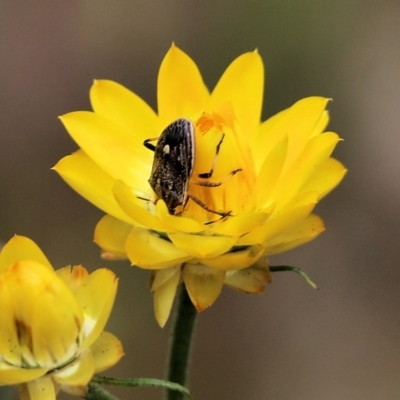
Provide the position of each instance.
(341, 343)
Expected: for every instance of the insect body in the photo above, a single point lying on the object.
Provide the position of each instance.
(173, 163)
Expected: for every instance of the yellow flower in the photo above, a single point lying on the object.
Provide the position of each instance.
(270, 176)
(51, 323)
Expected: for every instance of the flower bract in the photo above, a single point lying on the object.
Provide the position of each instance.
(51, 323)
(250, 193)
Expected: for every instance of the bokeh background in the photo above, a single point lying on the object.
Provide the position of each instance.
(339, 343)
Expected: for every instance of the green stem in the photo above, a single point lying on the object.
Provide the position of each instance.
(180, 343)
(140, 382)
(283, 268)
(96, 392)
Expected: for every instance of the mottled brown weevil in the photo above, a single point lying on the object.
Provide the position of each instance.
(173, 165)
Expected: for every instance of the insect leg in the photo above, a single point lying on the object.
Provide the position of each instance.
(203, 205)
(215, 184)
(143, 198)
(148, 145)
(208, 174)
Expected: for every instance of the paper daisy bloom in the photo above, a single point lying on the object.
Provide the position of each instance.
(51, 323)
(243, 189)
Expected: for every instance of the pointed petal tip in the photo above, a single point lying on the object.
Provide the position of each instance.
(64, 117)
(201, 307)
(173, 48)
(98, 82)
(162, 316)
(161, 321)
(165, 284)
(110, 256)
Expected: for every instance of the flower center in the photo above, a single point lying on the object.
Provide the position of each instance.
(223, 174)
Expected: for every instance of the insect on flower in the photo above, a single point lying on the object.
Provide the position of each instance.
(287, 168)
(173, 164)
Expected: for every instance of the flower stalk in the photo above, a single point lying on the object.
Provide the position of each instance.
(181, 340)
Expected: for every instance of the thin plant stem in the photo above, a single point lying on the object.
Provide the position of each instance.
(181, 340)
(140, 382)
(283, 268)
(96, 392)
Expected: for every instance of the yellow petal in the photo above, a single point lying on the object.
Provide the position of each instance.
(10, 375)
(135, 207)
(10, 348)
(22, 248)
(242, 84)
(203, 284)
(264, 142)
(177, 223)
(284, 221)
(96, 295)
(78, 372)
(55, 329)
(321, 124)
(297, 122)
(49, 317)
(238, 225)
(111, 234)
(235, 259)
(326, 178)
(301, 233)
(250, 280)
(164, 289)
(118, 104)
(280, 223)
(181, 92)
(110, 146)
(106, 351)
(91, 182)
(41, 389)
(159, 277)
(269, 175)
(147, 250)
(73, 276)
(201, 246)
(231, 191)
(314, 154)
(305, 116)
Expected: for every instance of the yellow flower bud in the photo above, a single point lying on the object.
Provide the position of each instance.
(51, 322)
